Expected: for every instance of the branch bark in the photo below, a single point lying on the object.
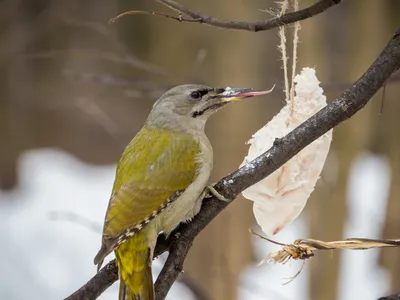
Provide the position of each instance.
(342, 108)
(391, 297)
(195, 17)
(109, 274)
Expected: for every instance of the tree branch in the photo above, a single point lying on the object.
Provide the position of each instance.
(342, 108)
(288, 18)
(109, 274)
(195, 17)
(391, 297)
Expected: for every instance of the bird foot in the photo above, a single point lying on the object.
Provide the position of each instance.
(210, 191)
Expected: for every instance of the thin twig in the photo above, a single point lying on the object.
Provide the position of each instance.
(75, 218)
(150, 12)
(290, 279)
(267, 239)
(195, 17)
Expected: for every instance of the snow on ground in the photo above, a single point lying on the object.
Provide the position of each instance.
(361, 277)
(52, 258)
(45, 256)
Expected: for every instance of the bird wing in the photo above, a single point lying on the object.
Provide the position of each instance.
(154, 168)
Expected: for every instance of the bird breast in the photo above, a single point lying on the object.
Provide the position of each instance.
(188, 205)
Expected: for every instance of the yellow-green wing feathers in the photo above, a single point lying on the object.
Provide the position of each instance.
(154, 168)
(158, 159)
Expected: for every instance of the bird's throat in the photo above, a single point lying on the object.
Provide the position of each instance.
(212, 107)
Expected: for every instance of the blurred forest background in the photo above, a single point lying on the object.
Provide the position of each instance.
(71, 82)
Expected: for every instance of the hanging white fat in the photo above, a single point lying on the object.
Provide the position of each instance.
(279, 198)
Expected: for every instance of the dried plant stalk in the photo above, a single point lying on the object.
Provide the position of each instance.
(303, 249)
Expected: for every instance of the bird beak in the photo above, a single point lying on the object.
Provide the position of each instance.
(234, 94)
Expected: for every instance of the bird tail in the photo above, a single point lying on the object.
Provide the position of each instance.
(126, 294)
(134, 263)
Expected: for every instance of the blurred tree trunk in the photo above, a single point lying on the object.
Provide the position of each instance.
(328, 204)
(387, 142)
(16, 89)
(390, 258)
(41, 106)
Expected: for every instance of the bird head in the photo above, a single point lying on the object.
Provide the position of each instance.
(193, 104)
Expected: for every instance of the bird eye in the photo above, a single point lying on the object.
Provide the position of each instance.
(196, 95)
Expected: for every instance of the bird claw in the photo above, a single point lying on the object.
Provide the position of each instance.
(210, 191)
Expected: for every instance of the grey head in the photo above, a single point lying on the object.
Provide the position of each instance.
(187, 107)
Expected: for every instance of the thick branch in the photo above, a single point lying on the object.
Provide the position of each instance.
(109, 274)
(342, 108)
(97, 284)
(288, 18)
(391, 297)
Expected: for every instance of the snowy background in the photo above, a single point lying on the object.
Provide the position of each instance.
(51, 230)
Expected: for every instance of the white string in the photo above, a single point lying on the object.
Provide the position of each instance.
(294, 58)
(282, 48)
